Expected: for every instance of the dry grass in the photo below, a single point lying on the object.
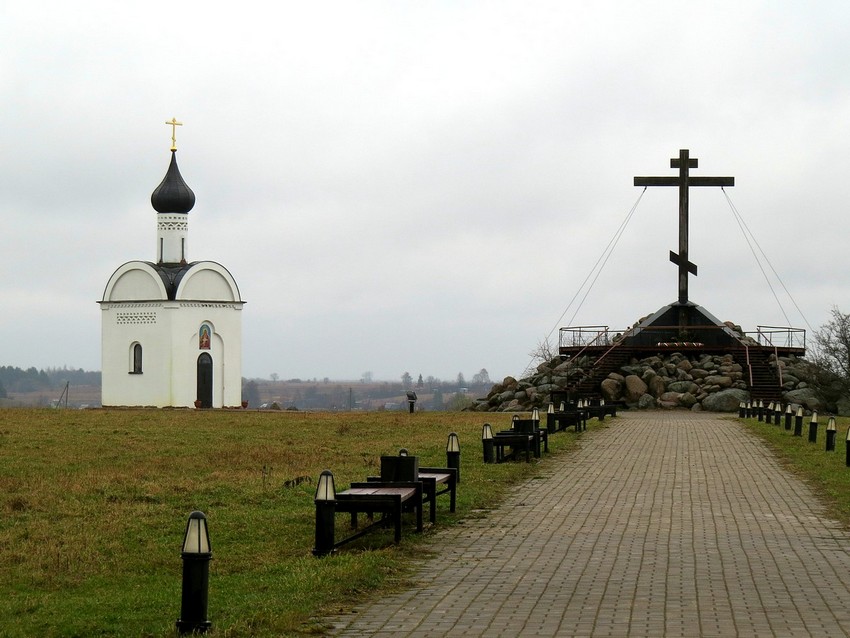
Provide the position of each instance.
(93, 505)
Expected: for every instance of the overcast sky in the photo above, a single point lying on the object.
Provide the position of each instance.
(420, 186)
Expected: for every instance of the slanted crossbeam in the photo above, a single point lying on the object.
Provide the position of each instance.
(684, 181)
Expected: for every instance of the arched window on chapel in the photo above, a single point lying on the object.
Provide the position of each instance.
(136, 358)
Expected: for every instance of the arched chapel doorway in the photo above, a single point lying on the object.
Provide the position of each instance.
(205, 380)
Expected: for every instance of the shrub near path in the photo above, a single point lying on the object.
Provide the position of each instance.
(93, 505)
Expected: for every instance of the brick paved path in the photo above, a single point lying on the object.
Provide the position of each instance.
(663, 524)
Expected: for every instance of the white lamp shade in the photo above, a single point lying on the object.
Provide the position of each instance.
(453, 444)
(486, 432)
(551, 408)
(197, 538)
(325, 488)
(814, 417)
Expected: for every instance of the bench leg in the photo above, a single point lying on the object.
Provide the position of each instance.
(397, 521)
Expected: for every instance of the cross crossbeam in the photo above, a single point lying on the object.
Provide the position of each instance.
(684, 181)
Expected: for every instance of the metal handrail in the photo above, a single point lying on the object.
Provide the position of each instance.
(793, 336)
(749, 365)
(775, 349)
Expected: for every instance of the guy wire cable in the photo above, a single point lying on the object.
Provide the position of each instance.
(606, 253)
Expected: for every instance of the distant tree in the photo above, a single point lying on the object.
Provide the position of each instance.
(3, 394)
(251, 393)
(406, 380)
(366, 377)
(458, 402)
(461, 381)
(481, 378)
(274, 376)
(419, 383)
(437, 399)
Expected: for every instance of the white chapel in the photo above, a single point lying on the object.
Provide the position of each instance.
(171, 328)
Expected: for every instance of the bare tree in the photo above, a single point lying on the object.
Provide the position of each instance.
(832, 348)
(543, 352)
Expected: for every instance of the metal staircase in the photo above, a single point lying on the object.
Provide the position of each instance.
(765, 384)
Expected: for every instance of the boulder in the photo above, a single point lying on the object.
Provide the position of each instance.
(657, 387)
(725, 401)
(805, 397)
(843, 406)
(719, 380)
(670, 399)
(683, 386)
(611, 389)
(646, 402)
(687, 400)
(635, 388)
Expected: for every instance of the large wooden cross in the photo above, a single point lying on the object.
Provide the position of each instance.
(684, 163)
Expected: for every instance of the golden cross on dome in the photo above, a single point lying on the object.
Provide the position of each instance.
(174, 124)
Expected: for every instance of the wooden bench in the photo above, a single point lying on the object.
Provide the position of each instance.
(387, 498)
(541, 435)
(515, 440)
(556, 421)
(600, 411)
(435, 480)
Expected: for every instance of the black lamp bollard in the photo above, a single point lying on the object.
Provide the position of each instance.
(325, 500)
(760, 411)
(749, 409)
(601, 416)
(411, 401)
(742, 410)
(487, 443)
(550, 418)
(196, 576)
(777, 413)
(768, 413)
(798, 422)
(830, 435)
(788, 414)
(813, 428)
(453, 453)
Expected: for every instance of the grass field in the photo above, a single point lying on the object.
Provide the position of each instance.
(826, 472)
(93, 506)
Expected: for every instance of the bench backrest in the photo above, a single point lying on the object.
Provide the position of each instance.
(525, 426)
(399, 468)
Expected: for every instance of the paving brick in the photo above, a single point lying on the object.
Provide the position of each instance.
(663, 523)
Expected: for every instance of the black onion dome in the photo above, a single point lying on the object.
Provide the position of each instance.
(173, 195)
